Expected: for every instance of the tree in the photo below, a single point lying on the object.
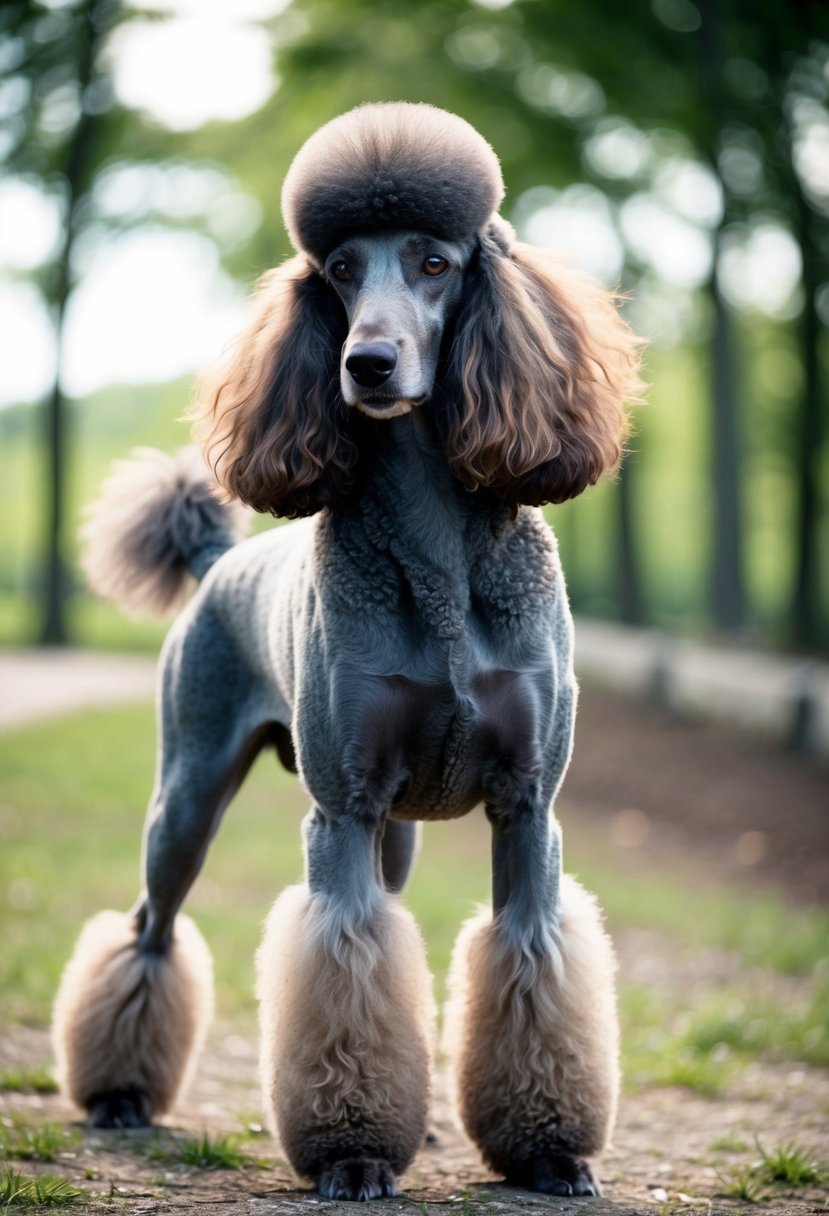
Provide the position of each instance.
(56, 56)
(68, 129)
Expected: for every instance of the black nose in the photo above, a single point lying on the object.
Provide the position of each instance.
(371, 363)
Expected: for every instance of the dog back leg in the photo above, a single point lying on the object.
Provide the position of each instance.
(398, 849)
(135, 999)
(531, 1022)
(346, 1017)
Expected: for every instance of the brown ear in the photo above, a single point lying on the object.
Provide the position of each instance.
(538, 374)
(273, 423)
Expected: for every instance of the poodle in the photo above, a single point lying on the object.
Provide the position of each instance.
(414, 385)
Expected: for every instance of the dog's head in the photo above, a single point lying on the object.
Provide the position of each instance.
(410, 292)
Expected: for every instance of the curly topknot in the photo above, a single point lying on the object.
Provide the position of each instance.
(390, 166)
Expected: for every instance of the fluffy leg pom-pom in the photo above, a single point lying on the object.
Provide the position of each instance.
(347, 1025)
(127, 1024)
(533, 1039)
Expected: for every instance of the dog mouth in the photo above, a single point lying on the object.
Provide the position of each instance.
(378, 406)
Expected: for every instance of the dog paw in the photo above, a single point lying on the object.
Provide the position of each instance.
(558, 1176)
(120, 1108)
(360, 1178)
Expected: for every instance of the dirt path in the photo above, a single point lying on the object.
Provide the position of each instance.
(654, 793)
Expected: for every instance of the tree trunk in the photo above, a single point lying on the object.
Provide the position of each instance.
(629, 582)
(95, 17)
(728, 605)
(805, 612)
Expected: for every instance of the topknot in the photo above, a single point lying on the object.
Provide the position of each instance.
(392, 165)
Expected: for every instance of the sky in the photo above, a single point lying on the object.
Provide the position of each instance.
(152, 304)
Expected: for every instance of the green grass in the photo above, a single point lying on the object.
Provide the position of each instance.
(71, 812)
(23, 1141)
(742, 1184)
(38, 1080)
(786, 1167)
(701, 1040)
(728, 1144)
(790, 1164)
(205, 1152)
(217, 1152)
(44, 1190)
(762, 929)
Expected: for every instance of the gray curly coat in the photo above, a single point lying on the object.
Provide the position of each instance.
(416, 382)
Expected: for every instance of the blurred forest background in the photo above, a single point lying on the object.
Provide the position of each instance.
(677, 148)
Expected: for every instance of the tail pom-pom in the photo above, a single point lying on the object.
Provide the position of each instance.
(160, 522)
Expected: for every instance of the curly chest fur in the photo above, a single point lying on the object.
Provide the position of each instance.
(449, 672)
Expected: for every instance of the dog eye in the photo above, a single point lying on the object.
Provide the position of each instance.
(435, 265)
(341, 270)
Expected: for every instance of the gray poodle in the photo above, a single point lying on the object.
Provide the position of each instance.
(417, 383)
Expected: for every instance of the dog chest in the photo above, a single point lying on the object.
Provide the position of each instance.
(429, 751)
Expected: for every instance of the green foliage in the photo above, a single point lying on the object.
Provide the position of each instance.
(542, 88)
(104, 428)
(37, 1080)
(43, 1190)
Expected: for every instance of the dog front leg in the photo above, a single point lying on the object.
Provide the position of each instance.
(346, 1017)
(531, 1021)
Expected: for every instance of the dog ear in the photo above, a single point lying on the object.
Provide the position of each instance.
(273, 423)
(537, 377)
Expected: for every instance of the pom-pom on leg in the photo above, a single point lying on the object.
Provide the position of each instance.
(127, 1023)
(532, 1033)
(347, 1019)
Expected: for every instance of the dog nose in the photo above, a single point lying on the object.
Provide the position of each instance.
(371, 363)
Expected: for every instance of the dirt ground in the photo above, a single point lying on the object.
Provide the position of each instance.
(688, 799)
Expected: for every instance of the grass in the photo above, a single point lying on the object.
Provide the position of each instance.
(728, 1144)
(43, 1190)
(785, 1166)
(744, 1185)
(215, 1153)
(790, 1164)
(701, 1040)
(38, 1080)
(206, 1152)
(22, 1141)
(71, 811)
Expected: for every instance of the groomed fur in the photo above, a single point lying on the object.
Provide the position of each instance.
(275, 428)
(533, 1042)
(394, 165)
(158, 523)
(125, 1020)
(346, 1035)
(532, 406)
(540, 369)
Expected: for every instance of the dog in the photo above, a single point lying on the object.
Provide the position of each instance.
(414, 385)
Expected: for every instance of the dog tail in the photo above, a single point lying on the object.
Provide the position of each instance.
(160, 522)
